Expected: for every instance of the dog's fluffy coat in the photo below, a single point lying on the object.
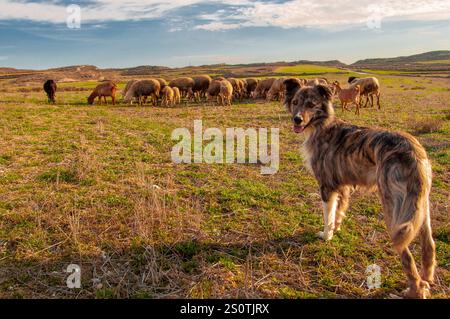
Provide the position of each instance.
(341, 155)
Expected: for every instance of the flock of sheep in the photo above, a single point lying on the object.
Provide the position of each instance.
(223, 90)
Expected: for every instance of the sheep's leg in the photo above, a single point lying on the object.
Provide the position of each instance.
(367, 101)
(113, 100)
(378, 100)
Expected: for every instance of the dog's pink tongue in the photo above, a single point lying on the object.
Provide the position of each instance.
(298, 129)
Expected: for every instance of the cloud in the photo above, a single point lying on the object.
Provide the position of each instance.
(232, 14)
(326, 13)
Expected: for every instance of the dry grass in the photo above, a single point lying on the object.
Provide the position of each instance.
(429, 125)
(95, 186)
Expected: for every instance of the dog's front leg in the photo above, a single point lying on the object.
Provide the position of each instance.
(330, 201)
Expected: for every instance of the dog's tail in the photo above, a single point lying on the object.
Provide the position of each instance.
(410, 212)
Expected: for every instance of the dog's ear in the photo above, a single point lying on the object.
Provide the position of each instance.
(351, 79)
(291, 86)
(324, 91)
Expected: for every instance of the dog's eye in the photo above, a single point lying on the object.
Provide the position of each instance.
(295, 102)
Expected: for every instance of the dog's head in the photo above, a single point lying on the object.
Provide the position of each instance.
(310, 106)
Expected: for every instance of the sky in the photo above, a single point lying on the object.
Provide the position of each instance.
(175, 33)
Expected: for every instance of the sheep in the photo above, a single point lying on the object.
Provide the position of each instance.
(316, 81)
(238, 87)
(50, 89)
(225, 93)
(143, 89)
(104, 89)
(162, 83)
(276, 90)
(370, 86)
(201, 84)
(167, 96)
(127, 87)
(349, 95)
(262, 88)
(185, 85)
(214, 88)
(176, 95)
(251, 86)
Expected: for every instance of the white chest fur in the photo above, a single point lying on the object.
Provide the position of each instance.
(306, 157)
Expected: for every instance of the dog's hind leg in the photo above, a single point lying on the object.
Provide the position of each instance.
(403, 233)
(330, 203)
(428, 248)
(417, 287)
(342, 206)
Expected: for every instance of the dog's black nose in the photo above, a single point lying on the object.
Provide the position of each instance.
(297, 120)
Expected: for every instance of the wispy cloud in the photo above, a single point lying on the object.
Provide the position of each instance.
(312, 13)
(233, 14)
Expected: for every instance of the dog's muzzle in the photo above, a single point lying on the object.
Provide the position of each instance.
(298, 124)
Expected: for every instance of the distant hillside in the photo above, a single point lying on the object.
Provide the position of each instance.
(143, 70)
(429, 61)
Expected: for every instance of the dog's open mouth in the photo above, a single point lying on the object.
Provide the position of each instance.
(299, 129)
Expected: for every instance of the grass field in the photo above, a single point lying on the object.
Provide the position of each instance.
(95, 186)
(307, 70)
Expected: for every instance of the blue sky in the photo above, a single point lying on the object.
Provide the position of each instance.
(124, 33)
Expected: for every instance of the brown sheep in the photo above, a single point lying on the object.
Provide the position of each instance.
(225, 93)
(276, 90)
(315, 81)
(263, 87)
(143, 89)
(185, 85)
(349, 95)
(176, 95)
(251, 86)
(162, 82)
(369, 87)
(201, 85)
(238, 87)
(105, 89)
(167, 96)
(214, 88)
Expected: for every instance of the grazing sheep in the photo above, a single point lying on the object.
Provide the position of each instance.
(214, 88)
(142, 89)
(176, 95)
(104, 89)
(127, 87)
(351, 79)
(50, 89)
(251, 86)
(349, 95)
(316, 81)
(238, 87)
(226, 93)
(201, 85)
(167, 96)
(369, 87)
(185, 85)
(263, 87)
(162, 83)
(276, 90)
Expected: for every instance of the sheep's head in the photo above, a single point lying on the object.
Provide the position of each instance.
(91, 99)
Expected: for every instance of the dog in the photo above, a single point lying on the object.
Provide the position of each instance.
(342, 156)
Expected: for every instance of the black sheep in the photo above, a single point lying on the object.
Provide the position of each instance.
(50, 89)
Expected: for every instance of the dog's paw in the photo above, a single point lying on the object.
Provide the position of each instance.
(325, 235)
(422, 292)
